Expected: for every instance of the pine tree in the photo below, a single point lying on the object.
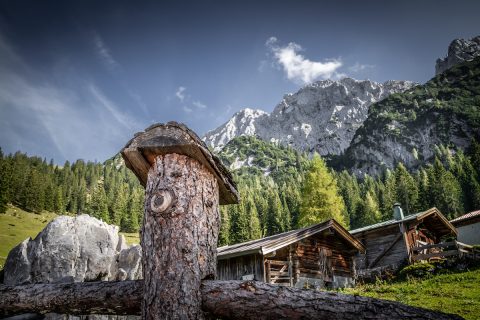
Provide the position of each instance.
(273, 224)
(320, 198)
(98, 205)
(406, 189)
(368, 211)
(423, 183)
(224, 233)
(445, 190)
(255, 231)
(58, 202)
(3, 184)
(34, 194)
(389, 196)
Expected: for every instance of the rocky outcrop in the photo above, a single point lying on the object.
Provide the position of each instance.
(460, 50)
(73, 249)
(322, 116)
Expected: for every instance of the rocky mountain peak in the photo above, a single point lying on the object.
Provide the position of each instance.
(322, 116)
(459, 50)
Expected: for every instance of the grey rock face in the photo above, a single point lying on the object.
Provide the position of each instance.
(460, 50)
(385, 147)
(322, 116)
(71, 249)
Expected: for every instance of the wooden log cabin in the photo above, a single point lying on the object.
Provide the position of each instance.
(318, 256)
(389, 244)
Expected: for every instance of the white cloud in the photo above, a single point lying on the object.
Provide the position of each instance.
(297, 67)
(103, 101)
(187, 109)
(357, 67)
(199, 105)
(104, 52)
(181, 93)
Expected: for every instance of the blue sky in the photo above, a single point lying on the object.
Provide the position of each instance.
(78, 79)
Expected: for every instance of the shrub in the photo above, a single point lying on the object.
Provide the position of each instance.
(417, 270)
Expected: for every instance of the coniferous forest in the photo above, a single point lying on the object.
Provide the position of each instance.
(281, 189)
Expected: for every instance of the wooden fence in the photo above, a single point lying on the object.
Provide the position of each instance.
(444, 250)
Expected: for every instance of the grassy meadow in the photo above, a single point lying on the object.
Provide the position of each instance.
(456, 292)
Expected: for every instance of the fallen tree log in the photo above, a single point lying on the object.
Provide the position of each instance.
(220, 299)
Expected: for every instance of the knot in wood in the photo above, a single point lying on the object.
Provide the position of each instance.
(162, 202)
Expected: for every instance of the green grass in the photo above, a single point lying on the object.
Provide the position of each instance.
(17, 225)
(132, 238)
(457, 293)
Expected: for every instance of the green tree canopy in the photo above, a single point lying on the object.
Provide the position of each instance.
(320, 198)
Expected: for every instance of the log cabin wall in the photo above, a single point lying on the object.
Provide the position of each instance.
(387, 242)
(243, 266)
(323, 260)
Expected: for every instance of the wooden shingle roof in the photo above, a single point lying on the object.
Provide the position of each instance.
(432, 214)
(269, 244)
(474, 215)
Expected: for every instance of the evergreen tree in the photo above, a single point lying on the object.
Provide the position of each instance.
(444, 190)
(423, 183)
(58, 202)
(255, 231)
(3, 184)
(406, 189)
(98, 205)
(320, 198)
(224, 232)
(389, 196)
(368, 211)
(273, 224)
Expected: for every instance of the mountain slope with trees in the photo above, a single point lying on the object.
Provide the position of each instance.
(406, 127)
(107, 191)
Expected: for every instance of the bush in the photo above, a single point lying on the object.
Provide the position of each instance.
(417, 270)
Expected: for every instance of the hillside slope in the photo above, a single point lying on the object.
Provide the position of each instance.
(456, 293)
(406, 127)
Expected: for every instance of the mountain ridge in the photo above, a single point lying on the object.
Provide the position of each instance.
(321, 116)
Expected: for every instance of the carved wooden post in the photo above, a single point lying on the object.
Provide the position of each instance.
(185, 183)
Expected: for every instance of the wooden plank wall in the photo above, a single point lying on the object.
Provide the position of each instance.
(235, 268)
(375, 241)
(339, 256)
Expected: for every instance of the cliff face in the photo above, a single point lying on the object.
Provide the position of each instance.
(322, 116)
(460, 50)
(407, 127)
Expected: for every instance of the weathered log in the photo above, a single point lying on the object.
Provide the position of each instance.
(220, 299)
(104, 297)
(185, 183)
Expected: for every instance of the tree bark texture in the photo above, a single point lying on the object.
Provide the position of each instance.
(179, 236)
(220, 299)
(105, 297)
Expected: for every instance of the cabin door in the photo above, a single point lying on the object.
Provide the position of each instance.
(278, 272)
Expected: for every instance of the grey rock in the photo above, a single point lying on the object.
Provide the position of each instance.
(460, 50)
(77, 249)
(74, 249)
